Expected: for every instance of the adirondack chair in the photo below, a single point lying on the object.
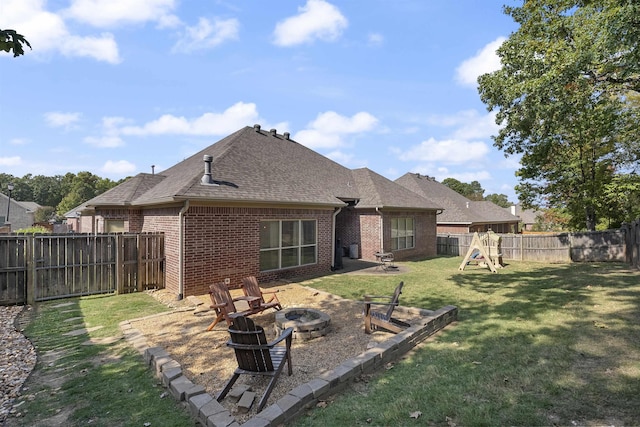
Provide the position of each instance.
(255, 356)
(251, 288)
(224, 304)
(375, 320)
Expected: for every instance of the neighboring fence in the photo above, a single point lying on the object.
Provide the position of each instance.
(610, 245)
(43, 267)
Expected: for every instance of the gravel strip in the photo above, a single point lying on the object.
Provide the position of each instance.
(17, 359)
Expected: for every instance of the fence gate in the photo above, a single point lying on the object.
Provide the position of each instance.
(73, 265)
(13, 269)
(141, 262)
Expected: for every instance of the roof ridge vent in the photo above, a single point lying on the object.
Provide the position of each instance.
(256, 127)
(286, 135)
(273, 132)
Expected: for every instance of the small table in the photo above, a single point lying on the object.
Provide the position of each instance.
(385, 260)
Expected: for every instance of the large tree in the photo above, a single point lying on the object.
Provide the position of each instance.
(562, 98)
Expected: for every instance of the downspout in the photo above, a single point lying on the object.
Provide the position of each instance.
(333, 239)
(184, 209)
(381, 230)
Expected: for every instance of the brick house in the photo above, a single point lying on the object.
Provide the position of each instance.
(258, 203)
(460, 214)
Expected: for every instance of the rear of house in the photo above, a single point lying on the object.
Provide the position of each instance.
(258, 203)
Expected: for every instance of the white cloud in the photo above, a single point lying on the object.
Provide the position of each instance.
(317, 20)
(110, 133)
(469, 124)
(103, 48)
(485, 61)
(205, 35)
(340, 157)
(375, 39)
(105, 141)
(18, 141)
(328, 129)
(118, 167)
(230, 120)
(448, 151)
(47, 32)
(110, 13)
(10, 161)
(58, 119)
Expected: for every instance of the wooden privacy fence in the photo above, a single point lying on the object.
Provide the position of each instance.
(42, 267)
(610, 245)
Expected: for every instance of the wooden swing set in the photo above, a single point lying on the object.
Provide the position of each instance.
(485, 251)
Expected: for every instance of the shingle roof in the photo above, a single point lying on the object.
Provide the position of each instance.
(457, 208)
(257, 166)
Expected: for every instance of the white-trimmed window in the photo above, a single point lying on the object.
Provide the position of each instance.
(287, 243)
(402, 233)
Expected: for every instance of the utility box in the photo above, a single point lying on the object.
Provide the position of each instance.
(353, 251)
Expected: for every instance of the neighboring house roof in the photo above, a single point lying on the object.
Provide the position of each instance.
(527, 216)
(30, 206)
(457, 208)
(264, 167)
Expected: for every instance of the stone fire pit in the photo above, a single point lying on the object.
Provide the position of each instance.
(307, 323)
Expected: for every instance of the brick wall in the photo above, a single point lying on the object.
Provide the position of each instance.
(362, 226)
(219, 242)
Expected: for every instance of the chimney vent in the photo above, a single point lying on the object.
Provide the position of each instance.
(256, 127)
(207, 179)
(153, 169)
(286, 135)
(273, 132)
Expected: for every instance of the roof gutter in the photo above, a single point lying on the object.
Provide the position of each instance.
(184, 209)
(333, 239)
(381, 230)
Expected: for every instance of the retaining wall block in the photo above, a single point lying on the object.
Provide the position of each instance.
(304, 392)
(153, 352)
(222, 419)
(272, 414)
(169, 375)
(198, 401)
(290, 405)
(319, 387)
(179, 386)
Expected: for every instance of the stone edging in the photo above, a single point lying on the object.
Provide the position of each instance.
(208, 412)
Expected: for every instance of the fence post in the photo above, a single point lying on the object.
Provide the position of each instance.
(31, 270)
(119, 265)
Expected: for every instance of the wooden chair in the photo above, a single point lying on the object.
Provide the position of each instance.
(224, 304)
(374, 320)
(251, 288)
(255, 356)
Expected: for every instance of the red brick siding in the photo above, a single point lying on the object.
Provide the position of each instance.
(224, 243)
(425, 234)
(362, 227)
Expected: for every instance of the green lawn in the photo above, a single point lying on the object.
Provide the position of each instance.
(535, 344)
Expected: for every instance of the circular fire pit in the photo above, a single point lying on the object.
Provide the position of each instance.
(307, 323)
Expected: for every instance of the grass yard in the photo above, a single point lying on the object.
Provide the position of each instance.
(535, 344)
(97, 385)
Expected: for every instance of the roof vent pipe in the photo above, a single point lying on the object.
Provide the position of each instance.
(207, 178)
(286, 135)
(256, 127)
(273, 132)
(467, 205)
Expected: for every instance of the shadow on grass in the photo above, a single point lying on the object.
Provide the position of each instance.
(536, 344)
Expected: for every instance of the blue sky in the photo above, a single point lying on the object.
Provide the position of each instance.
(115, 86)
